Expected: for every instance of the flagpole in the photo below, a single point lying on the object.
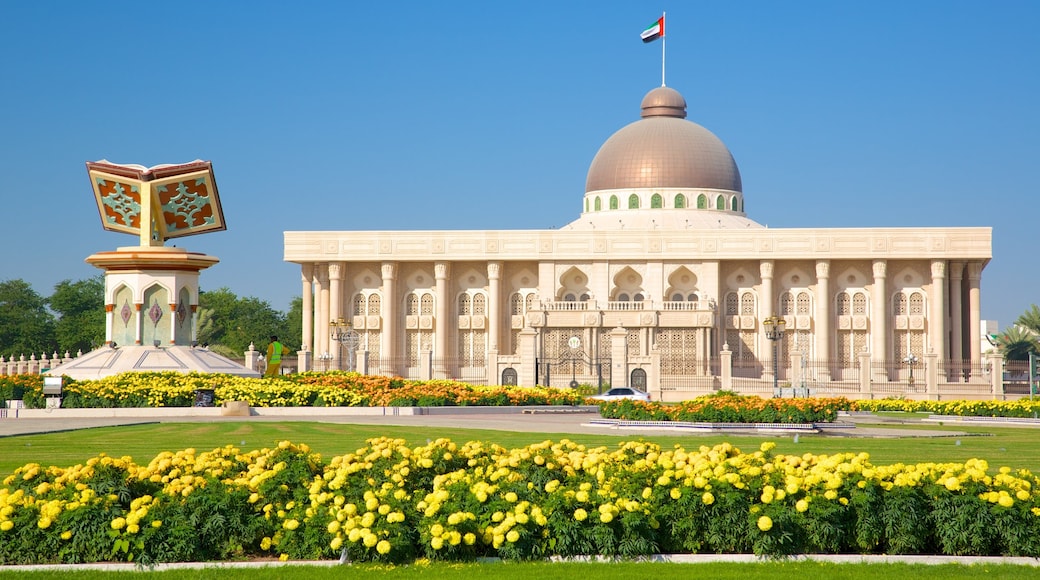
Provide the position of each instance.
(664, 38)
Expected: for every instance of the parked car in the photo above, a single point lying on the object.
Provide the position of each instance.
(622, 393)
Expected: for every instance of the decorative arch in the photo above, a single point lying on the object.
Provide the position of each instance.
(633, 201)
(702, 201)
(573, 285)
(656, 201)
(124, 316)
(597, 204)
(628, 286)
(613, 202)
(682, 284)
(720, 202)
(184, 318)
(680, 201)
(156, 322)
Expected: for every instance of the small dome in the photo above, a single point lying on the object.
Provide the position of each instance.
(662, 150)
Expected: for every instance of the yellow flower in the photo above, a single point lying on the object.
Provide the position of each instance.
(765, 523)
(606, 517)
(675, 493)
(469, 538)
(6, 525)
(579, 514)
(708, 498)
(156, 523)
(118, 523)
(801, 505)
(66, 535)
(336, 543)
(383, 547)
(44, 523)
(437, 543)
(291, 524)
(512, 536)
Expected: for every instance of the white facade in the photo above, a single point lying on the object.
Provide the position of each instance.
(663, 280)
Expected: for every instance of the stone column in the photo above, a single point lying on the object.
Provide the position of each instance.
(110, 312)
(321, 324)
(726, 368)
(494, 270)
(336, 308)
(822, 319)
(937, 314)
(138, 322)
(956, 312)
(440, 338)
(389, 322)
(974, 310)
(765, 310)
(528, 355)
(879, 317)
(307, 280)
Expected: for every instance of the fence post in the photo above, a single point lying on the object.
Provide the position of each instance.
(864, 374)
(619, 359)
(931, 375)
(996, 375)
(303, 360)
(726, 368)
(528, 357)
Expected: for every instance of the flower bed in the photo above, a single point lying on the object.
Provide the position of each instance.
(990, 408)
(392, 503)
(729, 409)
(339, 389)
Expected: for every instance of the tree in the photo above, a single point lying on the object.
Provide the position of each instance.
(80, 307)
(26, 326)
(1030, 319)
(294, 323)
(1015, 343)
(237, 322)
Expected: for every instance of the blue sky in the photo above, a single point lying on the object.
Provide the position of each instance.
(486, 115)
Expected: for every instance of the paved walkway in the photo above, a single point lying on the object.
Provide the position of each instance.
(460, 417)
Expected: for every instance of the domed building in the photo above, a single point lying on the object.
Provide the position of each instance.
(662, 283)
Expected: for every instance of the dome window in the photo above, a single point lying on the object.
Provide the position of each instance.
(702, 201)
(598, 205)
(613, 202)
(733, 204)
(655, 201)
(720, 202)
(680, 201)
(633, 201)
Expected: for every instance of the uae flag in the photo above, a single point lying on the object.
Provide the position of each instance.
(654, 31)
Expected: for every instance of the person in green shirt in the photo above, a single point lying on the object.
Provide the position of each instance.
(274, 357)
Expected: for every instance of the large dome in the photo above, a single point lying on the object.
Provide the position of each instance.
(663, 150)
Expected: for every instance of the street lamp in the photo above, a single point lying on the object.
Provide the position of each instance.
(910, 362)
(325, 359)
(346, 337)
(774, 327)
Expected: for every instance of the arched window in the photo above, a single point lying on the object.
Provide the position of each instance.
(622, 297)
(655, 201)
(633, 201)
(637, 298)
(803, 303)
(597, 204)
(426, 304)
(464, 305)
(613, 202)
(676, 297)
(786, 304)
(732, 304)
(584, 297)
(509, 377)
(479, 303)
(702, 201)
(516, 304)
(720, 202)
(680, 201)
(359, 304)
(569, 298)
(899, 304)
(530, 301)
(916, 303)
(374, 303)
(747, 303)
(859, 303)
(692, 298)
(844, 304)
(413, 305)
(733, 203)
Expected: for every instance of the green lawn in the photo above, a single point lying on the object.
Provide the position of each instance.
(783, 570)
(1013, 447)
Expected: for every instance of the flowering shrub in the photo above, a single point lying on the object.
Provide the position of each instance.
(729, 409)
(388, 502)
(990, 408)
(341, 389)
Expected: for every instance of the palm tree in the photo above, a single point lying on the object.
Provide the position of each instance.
(1016, 342)
(1030, 319)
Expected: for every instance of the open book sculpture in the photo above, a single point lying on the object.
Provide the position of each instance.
(157, 203)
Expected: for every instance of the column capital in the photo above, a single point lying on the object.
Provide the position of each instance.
(322, 274)
(765, 267)
(336, 270)
(823, 268)
(441, 269)
(974, 271)
(307, 272)
(956, 270)
(880, 268)
(938, 268)
(389, 270)
(494, 270)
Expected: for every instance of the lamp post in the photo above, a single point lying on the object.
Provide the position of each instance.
(346, 337)
(325, 359)
(774, 327)
(910, 362)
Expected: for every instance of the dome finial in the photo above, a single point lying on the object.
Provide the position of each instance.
(664, 102)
